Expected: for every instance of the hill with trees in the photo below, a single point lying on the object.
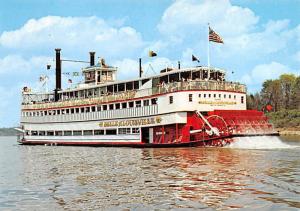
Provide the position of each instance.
(280, 100)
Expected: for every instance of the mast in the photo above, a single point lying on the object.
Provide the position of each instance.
(208, 62)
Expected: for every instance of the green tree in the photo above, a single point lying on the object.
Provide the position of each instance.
(287, 83)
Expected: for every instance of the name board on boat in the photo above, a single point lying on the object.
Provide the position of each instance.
(134, 122)
(217, 103)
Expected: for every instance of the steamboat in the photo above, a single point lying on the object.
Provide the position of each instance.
(178, 107)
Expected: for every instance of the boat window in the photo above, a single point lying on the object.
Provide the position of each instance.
(131, 104)
(111, 106)
(88, 132)
(209, 95)
(199, 95)
(58, 112)
(138, 103)
(124, 105)
(117, 105)
(171, 99)
(204, 95)
(98, 132)
(224, 96)
(190, 97)
(153, 101)
(229, 96)
(77, 133)
(87, 109)
(50, 133)
(124, 130)
(93, 108)
(215, 95)
(121, 87)
(219, 95)
(111, 131)
(135, 130)
(146, 102)
(77, 110)
(196, 75)
(98, 107)
(82, 109)
(136, 85)
(72, 110)
(58, 133)
(67, 111)
(234, 97)
(67, 133)
(242, 99)
(129, 85)
(104, 107)
(42, 133)
(34, 133)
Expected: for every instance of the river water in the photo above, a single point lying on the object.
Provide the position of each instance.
(254, 174)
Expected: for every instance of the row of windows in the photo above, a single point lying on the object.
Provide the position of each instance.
(87, 109)
(171, 98)
(84, 132)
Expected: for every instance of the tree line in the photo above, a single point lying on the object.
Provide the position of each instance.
(276, 95)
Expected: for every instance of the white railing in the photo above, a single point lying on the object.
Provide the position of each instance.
(159, 89)
(98, 115)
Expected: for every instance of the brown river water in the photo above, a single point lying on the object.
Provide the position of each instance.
(252, 174)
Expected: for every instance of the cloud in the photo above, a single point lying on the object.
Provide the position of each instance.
(262, 72)
(184, 23)
(184, 15)
(12, 64)
(73, 35)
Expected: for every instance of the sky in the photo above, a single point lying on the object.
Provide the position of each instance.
(261, 40)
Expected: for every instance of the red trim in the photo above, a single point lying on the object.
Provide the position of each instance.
(134, 99)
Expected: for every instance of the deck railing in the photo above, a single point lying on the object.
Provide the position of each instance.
(131, 94)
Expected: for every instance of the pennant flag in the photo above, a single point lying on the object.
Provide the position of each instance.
(214, 37)
(75, 73)
(48, 66)
(70, 81)
(152, 54)
(194, 58)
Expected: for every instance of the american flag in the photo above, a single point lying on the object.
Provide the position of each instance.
(214, 37)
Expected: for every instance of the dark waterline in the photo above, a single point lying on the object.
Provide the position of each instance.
(81, 178)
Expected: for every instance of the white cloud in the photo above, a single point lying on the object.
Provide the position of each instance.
(184, 23)
(185, 15)
(127, 69)
(73, 35)
(12, 64)
(262, 72)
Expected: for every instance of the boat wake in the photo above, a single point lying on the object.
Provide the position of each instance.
(259, 142)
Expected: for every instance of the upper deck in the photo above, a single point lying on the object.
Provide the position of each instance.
(175, 80)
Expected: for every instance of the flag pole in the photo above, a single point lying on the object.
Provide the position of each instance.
(208, 62)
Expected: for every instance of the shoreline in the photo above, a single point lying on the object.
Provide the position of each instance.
(288, 131)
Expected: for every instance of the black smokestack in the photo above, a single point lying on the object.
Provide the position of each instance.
(92, 58)
(179, 65)
(58, 73)
(140, 67)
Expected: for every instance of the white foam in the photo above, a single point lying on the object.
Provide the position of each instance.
(259, 142)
